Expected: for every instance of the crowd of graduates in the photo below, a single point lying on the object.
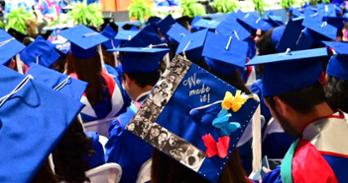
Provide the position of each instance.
(53, 85)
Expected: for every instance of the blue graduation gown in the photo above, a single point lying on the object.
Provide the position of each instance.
(97, 158)
(126, 149)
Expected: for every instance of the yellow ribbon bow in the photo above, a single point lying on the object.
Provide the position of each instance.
(233, 102)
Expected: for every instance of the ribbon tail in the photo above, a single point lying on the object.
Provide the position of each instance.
(223, 145)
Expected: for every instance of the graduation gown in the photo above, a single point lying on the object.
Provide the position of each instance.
(126, 149)
(109, 107)
(320, 155)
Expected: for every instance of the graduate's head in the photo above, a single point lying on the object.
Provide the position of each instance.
(84, 59)
(291, 87)
(337, 72)
(140, 68)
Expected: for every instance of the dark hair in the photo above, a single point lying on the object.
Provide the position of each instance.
(336, 93)
(45, 174)
(59, 65)
(108, 57)
(88, 70)
(69, 156)
(143, 79)
(265, 44)
(165, 169)
(303, 100)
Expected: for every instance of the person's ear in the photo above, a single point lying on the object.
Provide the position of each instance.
(280, 106)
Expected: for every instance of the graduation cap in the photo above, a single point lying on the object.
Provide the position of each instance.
(194, 114)
(337, 22)
(40, 52)
(153, 20)
(61, 44)
(321, 29)
(177, 32)
(295, 12)
(84, 41)
(338, 64)
(252, 23)
(140, 59)
(216, 16)
(274, 20)
(129, 25)
(126, 35)
(231, 26)
(192, 46)
(225, 53)
(287, 37)
(326, 9)
(33, 118)
(57, 81)
(9, 47)
(204, 23)
(110, 32)
(290, 70)
(147, 36)
(18, 35)
(165, 24)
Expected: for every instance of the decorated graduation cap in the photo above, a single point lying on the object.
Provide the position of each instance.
(231, 26)
(338, 64)
(321, 30)
(177, 32)
(33, 118)
(225, 53)
(57, 81)
(290, 70)
(192, 46)
(110, 32)
(9, 47)
(140, 59)
(285, 37)
(147, 36)
(197, 119)
(84, 41)
(40, 52)
(165, 24)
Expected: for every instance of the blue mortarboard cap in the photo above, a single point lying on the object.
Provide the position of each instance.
(287, 37)
(204, 23)
(140, 59)
(177, 32)
(295, 12)
(147, 36)
(32, 121)
(110, 33)
(41, 52)
(326, 9)
(126, 35)
(289, 71)
(165, 24)
(57, 81)
(338, 64)
(322, 30)
(272, 19)
(309, 11)
(231, 26)
(216, 16)
(192, 45)
(252, 23)
(337, 22)
(153, 20)
(9, 47)
(129, 25)
(225, 53)
(84, 41)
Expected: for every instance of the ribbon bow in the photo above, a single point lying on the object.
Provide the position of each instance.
(233, 102)
(221, 122)
(219, 148)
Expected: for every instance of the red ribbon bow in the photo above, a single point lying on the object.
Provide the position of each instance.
(219, 148)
